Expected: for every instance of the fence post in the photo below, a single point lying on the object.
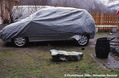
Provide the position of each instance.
(101, 18)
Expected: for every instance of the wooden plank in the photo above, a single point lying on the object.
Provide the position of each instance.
(97, 15)
(108, 19)
(101, 18)
(105, 20)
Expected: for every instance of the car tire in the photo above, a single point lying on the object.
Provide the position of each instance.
(83, 41)
(20, 41)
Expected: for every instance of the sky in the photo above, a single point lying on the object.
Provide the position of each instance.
(106, 6)
(111, 5)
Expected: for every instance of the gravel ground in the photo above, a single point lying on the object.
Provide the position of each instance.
(50, 45)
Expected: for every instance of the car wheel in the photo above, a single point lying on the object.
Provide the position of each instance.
(83, 41)
(20, 41)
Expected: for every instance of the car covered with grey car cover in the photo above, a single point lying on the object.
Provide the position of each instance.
(51, 24)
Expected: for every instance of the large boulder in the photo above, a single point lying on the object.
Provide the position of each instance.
(60, 55)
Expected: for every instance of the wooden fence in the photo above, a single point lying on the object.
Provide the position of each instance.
(105, 19)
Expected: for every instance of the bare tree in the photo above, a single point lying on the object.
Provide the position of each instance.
(44, 2)
(1, 10)
(6, 9)
(36, 5)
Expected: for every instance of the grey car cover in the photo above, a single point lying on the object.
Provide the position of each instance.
(51, 22)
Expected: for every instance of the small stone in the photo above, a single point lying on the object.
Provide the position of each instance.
(111, 33)
(102, 69)
(108, 63)
(82, 48)
(70, 68)
(114, 62)
(77, 66)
